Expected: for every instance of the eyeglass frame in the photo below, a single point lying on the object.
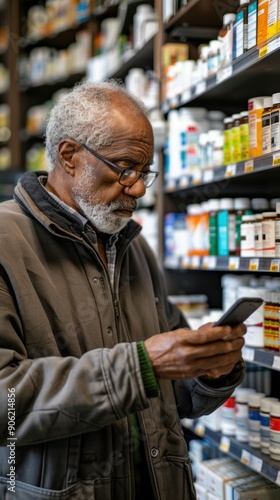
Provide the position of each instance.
(121, 170)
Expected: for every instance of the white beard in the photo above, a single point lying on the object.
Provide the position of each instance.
(100, 214)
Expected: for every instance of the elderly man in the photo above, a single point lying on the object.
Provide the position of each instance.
(96, 367)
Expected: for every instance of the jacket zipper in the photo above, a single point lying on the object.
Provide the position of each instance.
(149, 461)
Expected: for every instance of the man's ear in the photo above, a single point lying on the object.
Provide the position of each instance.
(66, 151)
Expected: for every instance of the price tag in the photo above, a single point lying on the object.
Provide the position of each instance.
(256, 463)
(230, 170)
(208, 175)
(245, 457)
(212, 262)
(274, 265)
(254, 264)
(276, 160)
(199, 429)
(248, 166)
(263, 51)
(233, 263)
(185, 263)
(276, 363)
(187, 423)
(171, 185)
(195, 262)
(224, 444)
(205, 262)
(248, 354)
(224, 73)
(200, 87)
(196, 177)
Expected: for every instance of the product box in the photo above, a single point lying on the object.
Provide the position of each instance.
(174, 52)
(257, 491)
(219, 477)
(272, 18)
(236, 483)
(201, 492)
(204, 467)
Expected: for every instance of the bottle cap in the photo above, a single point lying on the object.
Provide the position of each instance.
(244, 113)
(228, 18)
(267, 102)
(276, 98)
(259, 204)
(248, 218)
(267, 215)
(267, 402)
(275, 409)
(226, 204)
(255, 398)
(241, 203)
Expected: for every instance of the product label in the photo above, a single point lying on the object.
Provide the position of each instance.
(247, 240)
(239, 38)
(227, 147)
(262, 21)
(266, 133)
(213, 235)
(268, 238)
(272, 18)
(274, 423)
(275, 130)
(252, 25)
(223, 243)
(277, 238)
(244, 141)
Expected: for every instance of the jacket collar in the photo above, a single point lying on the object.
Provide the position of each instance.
(34, 199)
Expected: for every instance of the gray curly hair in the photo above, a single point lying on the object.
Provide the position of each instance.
(84, 115)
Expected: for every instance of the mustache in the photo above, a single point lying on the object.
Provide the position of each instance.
(125, 205)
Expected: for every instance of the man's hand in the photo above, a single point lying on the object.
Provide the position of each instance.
(182, 353)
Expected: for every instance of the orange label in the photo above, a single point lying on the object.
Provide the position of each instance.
(262, 21)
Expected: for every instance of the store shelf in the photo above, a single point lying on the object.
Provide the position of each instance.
(253, 458)
(198, 12)
(227, 264)
(237, 179)
(59, 39)
(262, 357)
(252, 72)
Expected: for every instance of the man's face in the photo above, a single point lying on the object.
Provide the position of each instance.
(97, 192)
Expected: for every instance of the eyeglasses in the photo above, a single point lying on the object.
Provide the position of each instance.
(127, 177)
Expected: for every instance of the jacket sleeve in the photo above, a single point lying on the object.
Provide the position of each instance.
(56, 397)
(197, 397)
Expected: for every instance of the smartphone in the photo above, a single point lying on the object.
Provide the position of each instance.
(240, 311)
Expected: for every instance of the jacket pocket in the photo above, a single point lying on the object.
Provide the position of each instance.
(180, 468)
(23, 491)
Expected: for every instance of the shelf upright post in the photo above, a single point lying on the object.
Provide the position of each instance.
(13, 92)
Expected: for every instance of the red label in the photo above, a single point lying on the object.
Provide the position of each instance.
(230, 403)
(274, 423)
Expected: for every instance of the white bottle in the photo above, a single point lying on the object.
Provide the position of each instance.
(144, 15)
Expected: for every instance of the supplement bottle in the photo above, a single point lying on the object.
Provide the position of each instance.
(242, 207)
(213, 206)
(247, 245)
(264, 422)
(277, 231)
(228, 426)
(244, 135)
(226, 227)
(271, 321)
(254, 402)
(275, 122)
(228, 141)
(242, 413)
(236, 137)
(266, 125)
(252, 23)
(225, 37)
(274, 444)
(255, 108)
(240, 30)
(258, 235)
(268, 234)
(144, 15)
(214, 57)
